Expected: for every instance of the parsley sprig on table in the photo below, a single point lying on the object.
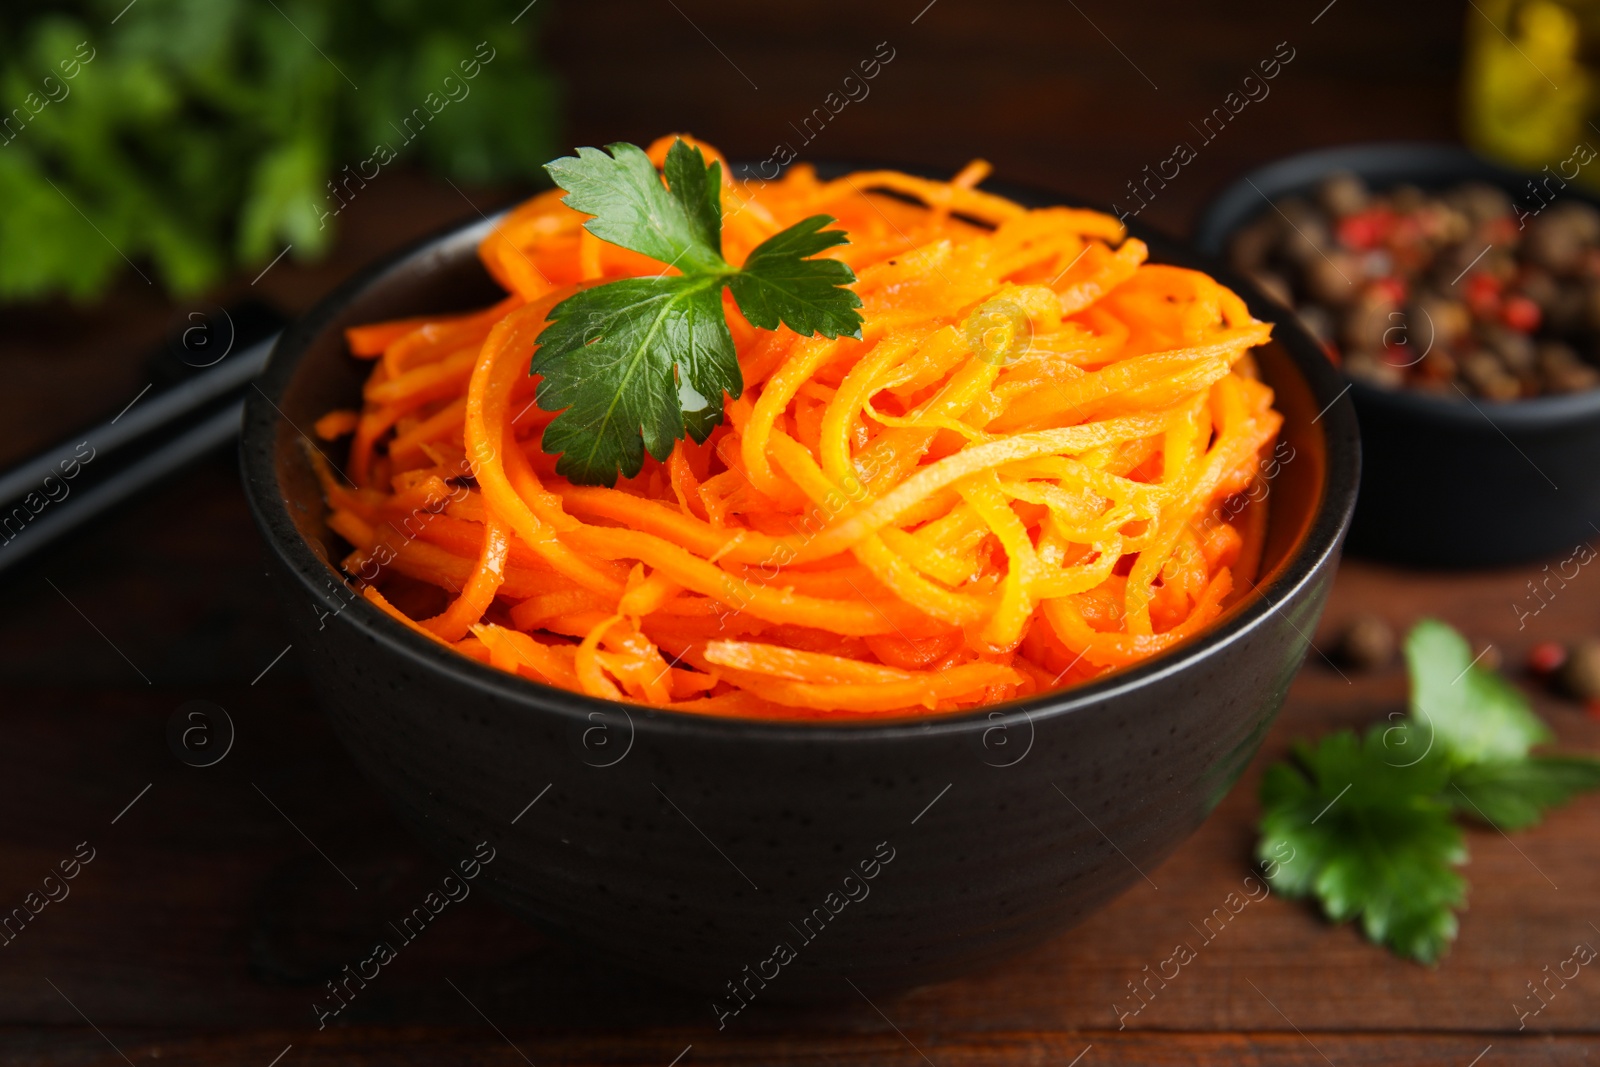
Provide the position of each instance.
(1371, 819)
(639, 363)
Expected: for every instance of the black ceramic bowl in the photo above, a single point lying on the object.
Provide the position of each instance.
(1447, 482)
(891, 854)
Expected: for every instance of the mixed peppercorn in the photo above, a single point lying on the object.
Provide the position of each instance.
(1457, 293)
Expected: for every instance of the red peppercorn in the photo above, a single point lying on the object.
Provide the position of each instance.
(1520, 313)
(1546, 657)
(1365, 229)
(1391, 288)
(1483, 294)
(1354, 232)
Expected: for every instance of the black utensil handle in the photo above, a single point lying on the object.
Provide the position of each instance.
(142, 417)
(24, 531)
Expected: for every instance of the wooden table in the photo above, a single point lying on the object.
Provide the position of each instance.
(207, 920)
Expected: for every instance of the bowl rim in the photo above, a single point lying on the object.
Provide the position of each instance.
(1317, 548)
(1394, 162)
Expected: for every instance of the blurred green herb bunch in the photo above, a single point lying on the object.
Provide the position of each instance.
(190, 138)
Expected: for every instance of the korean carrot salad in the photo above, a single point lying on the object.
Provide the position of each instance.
(1025, 471)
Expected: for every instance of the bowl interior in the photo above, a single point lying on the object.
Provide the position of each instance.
(440, 276)
(1309, 501)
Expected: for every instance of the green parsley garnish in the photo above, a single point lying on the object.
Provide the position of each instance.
(1371, 837)
(639, 363)
(1370, 820)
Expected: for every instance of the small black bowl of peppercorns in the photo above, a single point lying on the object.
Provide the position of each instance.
(1461, 299)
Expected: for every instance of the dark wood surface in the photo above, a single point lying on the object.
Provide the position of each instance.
(204, 926)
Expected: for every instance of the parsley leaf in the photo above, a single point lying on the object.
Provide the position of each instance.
(779, 282)
(1512, 794)
(1368, 836)
(636, 364)
(680, 225)
(1367, 823)
(200, 141)
(1471, 710)
(611, 335)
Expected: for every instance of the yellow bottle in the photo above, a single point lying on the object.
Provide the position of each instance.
(1527, 94)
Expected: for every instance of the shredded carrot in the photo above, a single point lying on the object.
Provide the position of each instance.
(337, 424)
(1026, 473)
